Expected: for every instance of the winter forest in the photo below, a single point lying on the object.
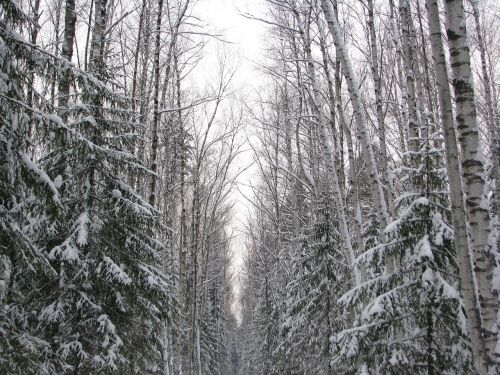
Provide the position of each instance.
(174, 202)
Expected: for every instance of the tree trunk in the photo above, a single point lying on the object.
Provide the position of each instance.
(352, 85)
(456, 191)
(66, 53)
(473, 172)
(402, 99)
(376, 74)
(156, 114)
(328, 153)
(492, 117)
(31, 91)
(410, 67)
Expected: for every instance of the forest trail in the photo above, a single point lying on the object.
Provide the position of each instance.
(231, 187)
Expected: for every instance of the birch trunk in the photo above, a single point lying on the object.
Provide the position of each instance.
(171, 51)
(57, 12)
(328, 153)
(144, 98)
(409, 67)
(136, 55)
(65, 82)
(66, 53)
(336, 103)
(192, 300)
(376, 74)
(289, 162)
(136, 119)
(403, 98)
(456, 190)
(96, 58)
(492, 117)
(332, 99)
(475, 187)
(31, 93)
(352, 85)
(156, 114)
(183, 280)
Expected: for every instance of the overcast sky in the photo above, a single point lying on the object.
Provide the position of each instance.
(246, 47)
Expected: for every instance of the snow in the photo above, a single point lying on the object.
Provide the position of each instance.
(116, 193)
(42, 176)
(81, 225)
(52, 313)
(115, 272)
(375, 309)
(58, 181)
(495, 282)
(154, 278)
(66, 251)
(423, 249)
(448, 292)
(427, 276)
(66, 349)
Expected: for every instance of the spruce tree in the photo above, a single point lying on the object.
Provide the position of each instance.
(312, 313)
(413, 320)
(28, 200)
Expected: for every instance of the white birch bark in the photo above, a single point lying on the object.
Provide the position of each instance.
(5, 273)
(66, 53)
(289, 161)
(156, 114)
(376, 75)
(492, 115)
(473, 171)
(336, 104)
(409, 67)
(328, 153)
(362, 129)
(456, 190)
(402, 99)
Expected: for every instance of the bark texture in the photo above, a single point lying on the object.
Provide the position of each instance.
(473, 172)
(461, 241)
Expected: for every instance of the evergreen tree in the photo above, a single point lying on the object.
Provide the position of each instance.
(28, 200)
(414, 319)
(85, 282)
(312, 314)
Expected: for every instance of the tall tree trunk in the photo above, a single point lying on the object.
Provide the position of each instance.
(171, 50)
(144, 94)
(137, 54)
(66, 53)
(376, 74)
(475, 187)
(289, 163)
(57, 12)
(332, 99)
(402, 99)
(156, 114)
(328, 154)
(31, 74)
(492, 116)
(410, 67)
(96, 55)
(65, 82)
(183, 280)
(136, 119)
(352, 85)
(456, 190)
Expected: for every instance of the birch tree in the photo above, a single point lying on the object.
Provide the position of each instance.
(472, 163)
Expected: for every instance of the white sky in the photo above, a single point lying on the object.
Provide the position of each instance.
(246, 45)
